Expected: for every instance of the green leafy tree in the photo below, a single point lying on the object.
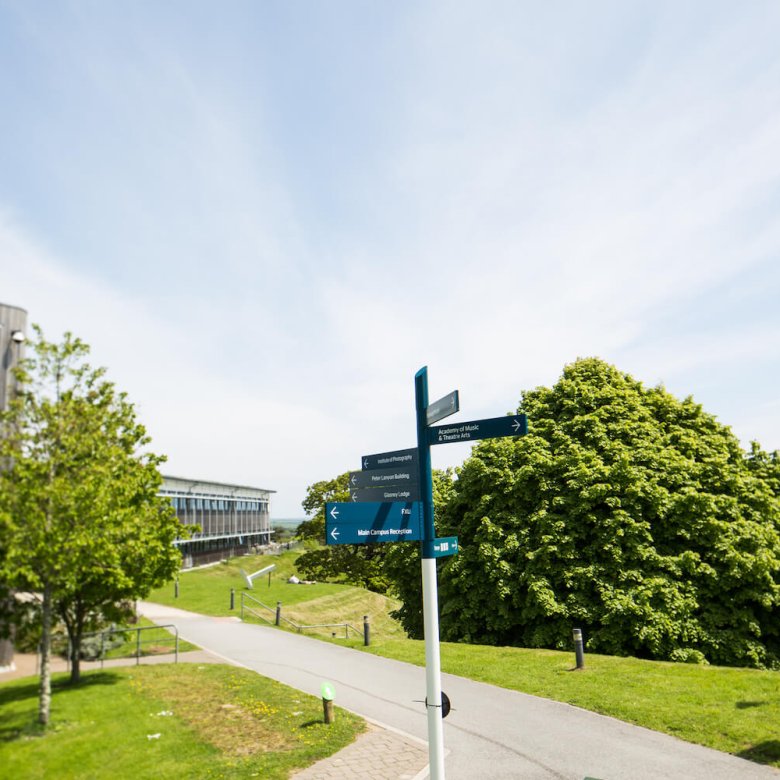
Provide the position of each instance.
(356, 564)
(402, 562)
(625, 512)
(82, 524)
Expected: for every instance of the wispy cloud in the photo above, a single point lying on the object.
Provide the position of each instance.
(264, 233)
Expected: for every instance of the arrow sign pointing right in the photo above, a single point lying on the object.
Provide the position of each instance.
(442, 408)
(492, 428)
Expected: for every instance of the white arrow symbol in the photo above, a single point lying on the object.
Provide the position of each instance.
(334, 513)
(335, 535)
(365, 463)
(516, 425)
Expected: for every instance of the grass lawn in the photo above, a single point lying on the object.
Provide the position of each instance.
(208, 591)
(168, 721)
(733, 710)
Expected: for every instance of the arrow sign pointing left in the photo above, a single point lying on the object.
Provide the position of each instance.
(373, 522)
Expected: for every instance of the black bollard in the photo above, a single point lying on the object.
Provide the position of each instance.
(579, 650)
(278, 613)
(366, 631)
(328, 694)
(232, 598)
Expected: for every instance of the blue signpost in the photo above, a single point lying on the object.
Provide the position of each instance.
(393, 502)
(433, 548)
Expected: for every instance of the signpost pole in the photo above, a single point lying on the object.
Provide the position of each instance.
(430, 591)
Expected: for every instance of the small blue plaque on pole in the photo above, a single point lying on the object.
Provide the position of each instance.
(441, 548)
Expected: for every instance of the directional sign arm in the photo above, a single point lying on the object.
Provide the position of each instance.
(369, 523)
(492, 428)
(442, 408)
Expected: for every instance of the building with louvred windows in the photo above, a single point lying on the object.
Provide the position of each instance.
(233, 519)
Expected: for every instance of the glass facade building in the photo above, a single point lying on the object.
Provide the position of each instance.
(232, 519)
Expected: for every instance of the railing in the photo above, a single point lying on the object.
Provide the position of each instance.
(278, 618)
(126, 630)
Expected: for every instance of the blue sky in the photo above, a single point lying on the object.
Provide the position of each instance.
(266, 216)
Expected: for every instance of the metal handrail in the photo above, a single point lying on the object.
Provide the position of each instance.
(257, 601)
(345, 626)
(102, 634)
(256, 614)
(297, 626)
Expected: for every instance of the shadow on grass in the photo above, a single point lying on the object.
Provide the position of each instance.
(746, 705)
(18, 693)
(763, 753)
(16, 724)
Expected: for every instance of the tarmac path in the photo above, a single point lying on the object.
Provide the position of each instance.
(490, 733)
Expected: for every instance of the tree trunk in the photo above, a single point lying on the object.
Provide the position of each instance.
(44, 696)
(75, 664)
(7, 630)
(6, 653)
(75, 632)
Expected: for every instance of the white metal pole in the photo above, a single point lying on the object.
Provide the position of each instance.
(433, 669)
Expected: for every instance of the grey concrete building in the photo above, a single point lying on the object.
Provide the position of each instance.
(232, 518)
(13, 324)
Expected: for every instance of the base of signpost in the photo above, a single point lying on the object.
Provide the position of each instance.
(433, 670)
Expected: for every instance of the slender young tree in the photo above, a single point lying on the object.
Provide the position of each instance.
(81, 522)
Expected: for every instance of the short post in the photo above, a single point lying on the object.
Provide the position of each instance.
(278, 613)
(176, 589)
(137, 646)
(328, 694)
(269, 579)
(366, 631)
(232, 598)
(579, 650)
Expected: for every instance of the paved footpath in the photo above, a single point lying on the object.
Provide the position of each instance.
(491, 733)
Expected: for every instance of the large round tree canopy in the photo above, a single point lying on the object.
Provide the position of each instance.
(625, 512)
